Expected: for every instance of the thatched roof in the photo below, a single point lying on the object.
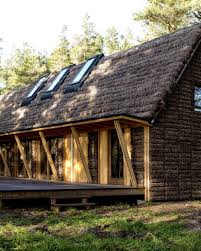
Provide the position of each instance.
(134, 83)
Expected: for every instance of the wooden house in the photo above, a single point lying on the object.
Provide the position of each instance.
(132, 119)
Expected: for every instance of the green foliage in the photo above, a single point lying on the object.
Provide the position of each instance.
(61, 55)
(23, 67)
(115, 42)
(164, 16)
(114, 228)
(88, 44)
(195, 12)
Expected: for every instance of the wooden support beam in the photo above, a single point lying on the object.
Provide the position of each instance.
(126, 118)
(49, 156)
(16, 163)
(125, 153)
(146, 163)
(6, 168)
(67, 159)
(81, 153)
(36, 155)
(83, 137)
(127, 138)
(23, 156)
(103, 157)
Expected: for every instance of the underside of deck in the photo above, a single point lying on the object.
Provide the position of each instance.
(17, 188)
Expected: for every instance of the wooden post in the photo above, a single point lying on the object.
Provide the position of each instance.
(36, 153)
(146, 163)
(125, 153)
(6, 168)
(72, 157)
(84, 143)
(23, 156)
(49, 157)
(127, 137)
(81, 153)
(16, 164)
(67, 159)
(103, 157)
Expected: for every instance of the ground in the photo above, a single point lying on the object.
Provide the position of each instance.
(159, 226)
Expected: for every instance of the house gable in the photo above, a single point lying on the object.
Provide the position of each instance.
(176, 141)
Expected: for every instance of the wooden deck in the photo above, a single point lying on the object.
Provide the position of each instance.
(17, 188)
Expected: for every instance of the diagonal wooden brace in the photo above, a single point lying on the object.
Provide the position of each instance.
(125, 152)
(7, 170)
(23, 156)
(49, 156)
(82, 157)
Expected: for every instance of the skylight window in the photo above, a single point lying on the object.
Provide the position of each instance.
(86, 69)
(37, 87)
(58, 80)
(83, 73)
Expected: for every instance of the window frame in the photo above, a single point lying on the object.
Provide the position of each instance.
(75, 86)
(27, 100)
(197, 108)
(48, 94)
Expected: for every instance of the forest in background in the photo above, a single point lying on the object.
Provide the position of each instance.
(25, 65)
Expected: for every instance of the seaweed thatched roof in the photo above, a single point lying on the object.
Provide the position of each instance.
(133, 82)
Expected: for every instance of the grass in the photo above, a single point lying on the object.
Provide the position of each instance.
(119, 228)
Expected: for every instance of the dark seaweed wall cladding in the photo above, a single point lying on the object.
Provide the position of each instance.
(176, 142)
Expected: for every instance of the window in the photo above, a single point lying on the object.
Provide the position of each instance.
(116, 157)
(58, 80)
(83, 73)
(197, 98)
(37, 87)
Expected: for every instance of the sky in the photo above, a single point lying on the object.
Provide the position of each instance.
(39, 22)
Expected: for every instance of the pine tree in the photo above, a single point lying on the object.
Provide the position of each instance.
(115, 42)
(60, 56)
(23, 67)
(164, 16)
(88, 44)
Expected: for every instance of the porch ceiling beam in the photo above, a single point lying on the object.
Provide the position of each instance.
(49, 156)
(23, 156)
(81, 153)
(7, 170)
(72, 124)
(125, 152)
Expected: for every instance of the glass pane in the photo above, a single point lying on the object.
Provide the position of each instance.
(57, 79)
(197, 97)
(116, 157)
(83, 70)
(36, 87)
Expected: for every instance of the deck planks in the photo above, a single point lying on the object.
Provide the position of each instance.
(23, 188)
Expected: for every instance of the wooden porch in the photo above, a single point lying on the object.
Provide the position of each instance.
(76, 178)
(24, 189)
